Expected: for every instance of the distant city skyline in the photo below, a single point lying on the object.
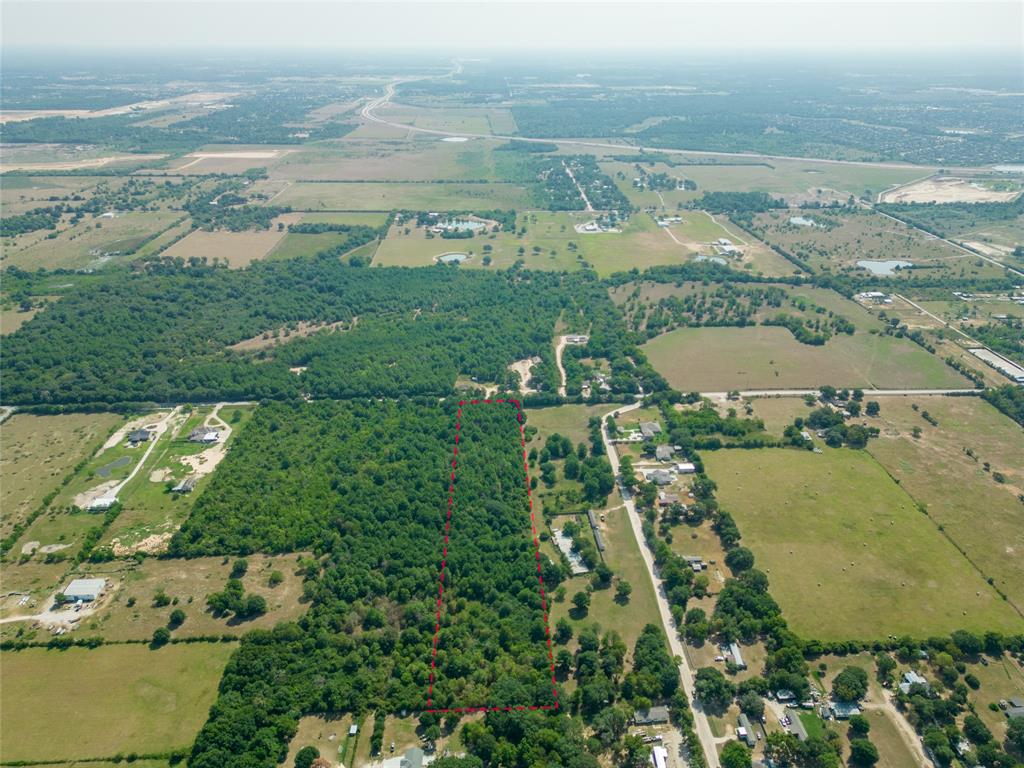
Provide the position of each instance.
(862, 28)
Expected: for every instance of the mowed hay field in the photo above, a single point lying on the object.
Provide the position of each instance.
(984, 517)
(386, 196)
(78, 703)
(847, 552)
(37, 452)
(236, 249)
(768, 357)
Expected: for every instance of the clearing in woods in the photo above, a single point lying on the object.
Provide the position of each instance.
(135, 699)
(236, 249)
(833, 529)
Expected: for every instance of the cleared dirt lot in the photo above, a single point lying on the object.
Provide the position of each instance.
(947, 189)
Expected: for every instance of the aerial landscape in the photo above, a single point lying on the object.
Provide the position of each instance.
(512, 385)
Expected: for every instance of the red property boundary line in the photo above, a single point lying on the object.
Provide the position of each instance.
(444, 561)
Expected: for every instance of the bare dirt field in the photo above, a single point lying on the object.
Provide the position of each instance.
(228, 161)
(946, 189)
(237, 249)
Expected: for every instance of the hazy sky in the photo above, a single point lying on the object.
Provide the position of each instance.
(722, 26)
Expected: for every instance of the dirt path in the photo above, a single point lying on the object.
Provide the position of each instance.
(558, 361)
(590, 208)
(907, 734)
(725, 228)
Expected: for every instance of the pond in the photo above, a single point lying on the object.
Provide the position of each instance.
(105, 470)
(453, 258)
(884, 267)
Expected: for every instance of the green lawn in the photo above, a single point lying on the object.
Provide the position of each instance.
(848, 553)
(762, 357)
(79, 703)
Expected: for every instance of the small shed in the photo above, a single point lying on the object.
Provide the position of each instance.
(686, 468)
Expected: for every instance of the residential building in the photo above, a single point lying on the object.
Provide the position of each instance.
(204, 435)
(660, 477)
(737, 656)
(185, 486)
(663, 453)
(745, 731)
(912, 678)
(667, 499)
(650, 428)
(844, 710)
(659, 757)
(137, 436)
(656, 715)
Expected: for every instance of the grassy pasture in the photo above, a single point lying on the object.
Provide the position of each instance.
(770, 358)
(843, 239)
(981, 515)
(88, 243)
(383, 196)
(641, 244)
(419, 159)
(295, 244)
(188, 584)
(110, 699)
(775, 176)
(22, 193)
(237, 249)
(848, 553)
(38, 452)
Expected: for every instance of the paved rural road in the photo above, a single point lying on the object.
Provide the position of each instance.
(367, 113)
(700, 719)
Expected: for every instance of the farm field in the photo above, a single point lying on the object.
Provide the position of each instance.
(110, 700)
(833, 529)
(92, 243)
(39, 452)
(982, 516)
(236, 249)
(838, 241)
(770, 358)
(384, 196)
(296, 244)
(420, 159)
(22, 193)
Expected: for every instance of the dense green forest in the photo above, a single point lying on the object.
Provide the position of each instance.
(363, 486)
(164, 333)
